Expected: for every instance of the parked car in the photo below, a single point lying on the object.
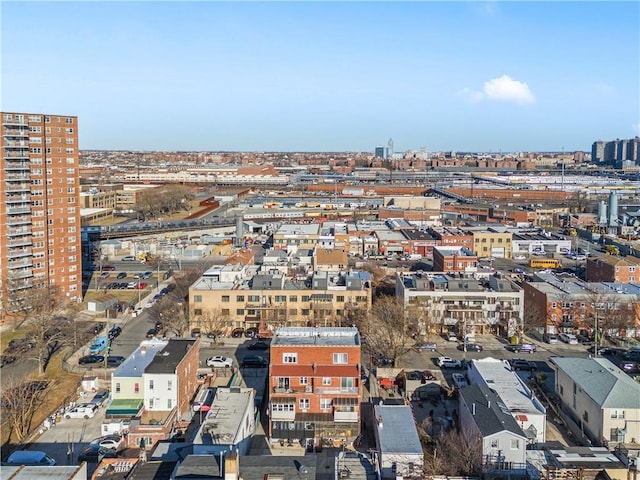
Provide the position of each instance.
(152, 332)
(415, 375)
(108, 268)
(430, 346)
(128, 258)
(30, 458)
(6, 360)
(94, 454)
(196, 332)
(459, 381)
(428, 375)
(218, 361)
(522, 347)
(258, 346)
(522, 364)
(141, 286)
(114, 332)
(137, 275)
(100, 397)
(237, 332)
(251, 332)
(104, 275)
(470, 347)
(569, 338)
(84, 410)
(98, 345)
(448, 362)
(115, 361)
(109, 442)
(630, 367)
(254, 361)
(90, 359)
(136, 312)
(452, 337)
(121, 275)
(132, 284)
(550, 338)
(147, 275)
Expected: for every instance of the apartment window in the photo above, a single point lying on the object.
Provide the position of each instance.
(150, 384)
(282, 407)
(280, 298)
(169, 384)
(150, 406)
(197, 298)
(293, 299)
(304, 404)
(293, 311)
(494, 444)
(169, 403)
(325, 403)
(340, 298)
(117, 387)
(616, 435)
(340, 358)
(225, 298)
(304, 380)
(284, 382)
(225, 311)
(585, 416)
(47, 119)
(346, 383)
(240, 311)
(239, 298)
(617, 413)
(306, 298)
(68, 120)
(305, 311)
(197, 311)
(254, 298)
(326, 380)
(289, 358)
(136, 387)
(515, 444)
(554, 304)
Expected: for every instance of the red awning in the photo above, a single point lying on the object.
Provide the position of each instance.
(291, 371)
(522, 418)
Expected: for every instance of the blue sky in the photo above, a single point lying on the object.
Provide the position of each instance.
(328, 76)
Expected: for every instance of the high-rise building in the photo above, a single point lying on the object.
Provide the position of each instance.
(40, 209)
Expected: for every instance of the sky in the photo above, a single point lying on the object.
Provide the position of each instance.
(327, 76)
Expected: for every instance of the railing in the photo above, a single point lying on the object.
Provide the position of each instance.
(24, 274)
(19, 264)
(18, 220)
(20, 243)
(18, 252)
(304, 389)
(277, 415)
(336, 390)
(339, 416)
(18, 209)
(18, 231)
(16, 177)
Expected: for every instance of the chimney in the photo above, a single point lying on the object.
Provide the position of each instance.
(380, 423)
(231, 466)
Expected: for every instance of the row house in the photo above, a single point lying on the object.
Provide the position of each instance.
(454, 259)
(468, 304)
(611, 268)
(390, 241)
(154, 387)
(455, 237)
(565, 304)
(294, 236)
(314, 384)
(276, 299)
(420, 242)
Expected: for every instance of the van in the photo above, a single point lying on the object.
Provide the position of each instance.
(30, 457)
(98, 345)
(203, 400)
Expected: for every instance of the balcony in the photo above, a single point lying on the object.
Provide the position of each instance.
(22, 274)
(16, 166)
(15, 144)
(16, 177)
(20, 264)
(22, 242)
(19, 252)
(17, 187)
(15, 132)
(17, 199)
(24, 220)
(16, 232)
(286, 416)
(301, 389)
(340, 416)
(11, 210)
(336, 390)
(15, 122)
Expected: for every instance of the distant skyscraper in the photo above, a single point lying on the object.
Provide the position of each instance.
(617, 153)
(40, 209)
(382, 152)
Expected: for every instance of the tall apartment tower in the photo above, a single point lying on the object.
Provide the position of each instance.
(39, 207)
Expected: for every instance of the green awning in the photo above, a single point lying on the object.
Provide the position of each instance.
(124, 407)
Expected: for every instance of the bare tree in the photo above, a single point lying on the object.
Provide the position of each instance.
(457, 454)
(20, 402)
(175, 319)
(390, 329)
(21, 302)
(608, 314)
(211, 321)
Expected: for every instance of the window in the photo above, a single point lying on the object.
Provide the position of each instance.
(494, 444)
(340, 358)
(515, 444)
(617, 413)
(280, 407)
(346, 383)
(254, 298)
(304, 404)
(325, 403)
(239, 311)
(326, 380)
(340, 298)
(585, 416)
(284, 382)
(239, 298)
(225, 311)
(150, 384)
(616, 435)
(151, 402)
(197, 311)
(293, 298)
(304, 380)
(169, 402)
(118, 387)
(197, 298)
(169, 385)
(225, 298)
(136, 387)
(306, 298)
(289, 358)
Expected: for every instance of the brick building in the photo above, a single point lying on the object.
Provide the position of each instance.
(314, 384)
(454, 259)
(611, 268)
(40, 210)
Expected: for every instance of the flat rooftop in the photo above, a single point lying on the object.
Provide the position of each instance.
(223, 421)
(319, 336)
(136, 363)
(398, 433)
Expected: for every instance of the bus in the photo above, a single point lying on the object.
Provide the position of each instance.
(203, 400)
(545, 263)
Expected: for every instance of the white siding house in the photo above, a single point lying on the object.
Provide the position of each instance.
(397, 441)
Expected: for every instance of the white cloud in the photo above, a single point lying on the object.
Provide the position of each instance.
(504, 89)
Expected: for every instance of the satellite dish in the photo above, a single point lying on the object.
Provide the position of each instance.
(304, 470)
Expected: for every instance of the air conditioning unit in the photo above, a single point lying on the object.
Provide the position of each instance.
(308, 389)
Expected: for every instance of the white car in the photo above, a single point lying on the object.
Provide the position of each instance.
(452, 337)
(109, 442)
(149, 304)
(519, 257)
(84, 410)
(136, 312)
(448, 362)
(459, 381)
(219, 361)
(569, 338)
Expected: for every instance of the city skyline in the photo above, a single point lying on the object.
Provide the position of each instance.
(333, 76)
